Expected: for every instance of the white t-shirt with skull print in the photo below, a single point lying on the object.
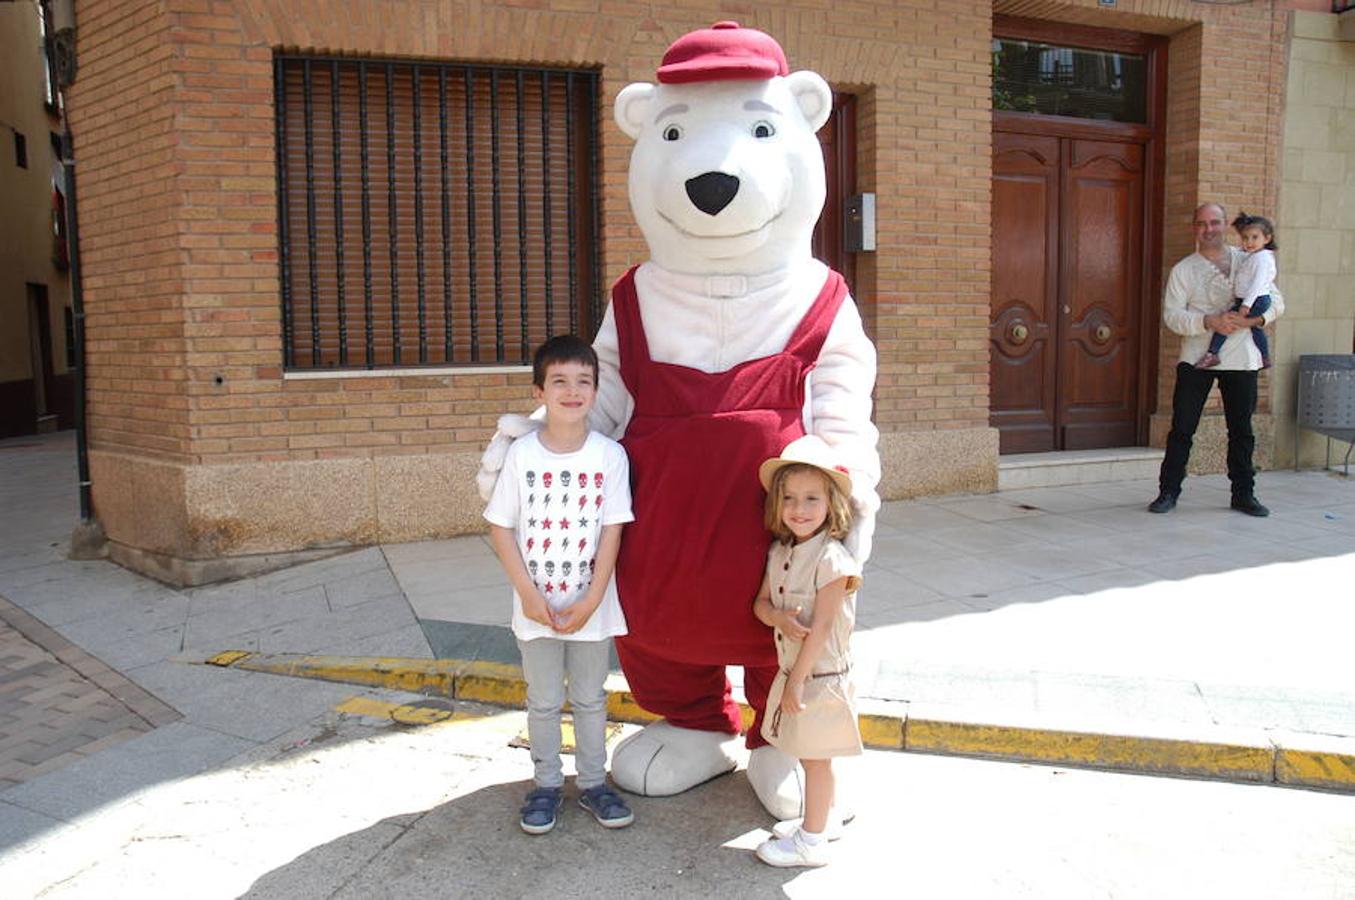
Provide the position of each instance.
(557, 504)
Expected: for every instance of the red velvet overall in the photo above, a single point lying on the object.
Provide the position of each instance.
(693, 559)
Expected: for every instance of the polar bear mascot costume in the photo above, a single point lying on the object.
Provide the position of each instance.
(731, 341)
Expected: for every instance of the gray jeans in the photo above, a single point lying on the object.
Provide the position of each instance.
(548, 664)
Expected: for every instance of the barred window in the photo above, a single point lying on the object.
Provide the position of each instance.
(433, 214)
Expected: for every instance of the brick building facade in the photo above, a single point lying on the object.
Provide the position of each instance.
(205, 449)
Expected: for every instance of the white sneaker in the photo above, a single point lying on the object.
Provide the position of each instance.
(832, 831)
(792, 851)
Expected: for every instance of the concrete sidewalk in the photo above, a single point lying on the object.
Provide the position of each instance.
(1053, 624)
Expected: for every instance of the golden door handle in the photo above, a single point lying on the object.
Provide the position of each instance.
(1019, 332)
(1101, 334)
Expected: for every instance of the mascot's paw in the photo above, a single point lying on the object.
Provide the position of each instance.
(778, 782)
(663, 759)
(511, 427)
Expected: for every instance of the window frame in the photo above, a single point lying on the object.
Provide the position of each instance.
(1152, 47)
(574, 221)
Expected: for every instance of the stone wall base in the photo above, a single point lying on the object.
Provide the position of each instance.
(181, 573)
(194, 524)
(950, 461)
(1209, 454)
(190, 524)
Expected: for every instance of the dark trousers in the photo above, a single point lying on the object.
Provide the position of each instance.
(1239, 402)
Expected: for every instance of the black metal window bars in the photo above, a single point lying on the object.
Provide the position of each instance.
(490, 176)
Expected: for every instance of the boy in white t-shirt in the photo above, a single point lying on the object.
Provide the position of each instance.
(555, 523)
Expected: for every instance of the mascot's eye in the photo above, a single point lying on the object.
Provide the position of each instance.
(672, 133)
(763, 129)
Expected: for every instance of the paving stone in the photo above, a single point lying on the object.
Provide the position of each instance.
(50, 712)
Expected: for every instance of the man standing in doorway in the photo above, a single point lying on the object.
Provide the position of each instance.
(1197, 300)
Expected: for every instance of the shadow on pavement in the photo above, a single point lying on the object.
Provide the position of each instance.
(698, 844)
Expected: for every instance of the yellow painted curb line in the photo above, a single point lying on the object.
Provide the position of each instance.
(1131, 753)
(885, 725)
(621, 707)
(435, 677)
(403, 713)
(881, 732)
(1315, 768)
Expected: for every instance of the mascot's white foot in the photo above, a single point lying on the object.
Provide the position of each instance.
(664, 759)
(778, 781)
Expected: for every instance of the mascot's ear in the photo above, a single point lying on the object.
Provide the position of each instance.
(632, 107)
(813, 95)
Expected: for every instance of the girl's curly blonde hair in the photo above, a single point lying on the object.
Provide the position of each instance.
(838, 521)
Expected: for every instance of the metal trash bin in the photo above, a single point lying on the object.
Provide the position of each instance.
(1326, 401)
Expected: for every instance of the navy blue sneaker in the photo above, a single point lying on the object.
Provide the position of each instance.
(606, 806)
(538, 812)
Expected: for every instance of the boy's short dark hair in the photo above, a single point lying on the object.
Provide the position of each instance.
(563, 348)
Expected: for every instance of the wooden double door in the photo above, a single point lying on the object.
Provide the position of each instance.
(1066, 327)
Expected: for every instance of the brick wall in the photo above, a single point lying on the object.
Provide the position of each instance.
(1226, 64)
(1223, 73)
(210, 383)
(131, 215)
(174, 116)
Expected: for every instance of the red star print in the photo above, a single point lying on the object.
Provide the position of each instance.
(564, 523)
(564, 586)
(545, 524)
(550, 587)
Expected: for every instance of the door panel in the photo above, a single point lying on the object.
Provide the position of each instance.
(838, 139)
(1102, 260)
(1024, 302)
(1067, 263)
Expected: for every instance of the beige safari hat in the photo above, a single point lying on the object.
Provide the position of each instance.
(809, 450)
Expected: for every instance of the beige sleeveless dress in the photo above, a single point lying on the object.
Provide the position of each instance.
(827, 726)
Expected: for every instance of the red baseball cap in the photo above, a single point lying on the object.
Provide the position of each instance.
(724, 51)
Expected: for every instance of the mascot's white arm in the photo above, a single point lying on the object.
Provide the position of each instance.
(612, 411)
(511, 427)
(839, 409)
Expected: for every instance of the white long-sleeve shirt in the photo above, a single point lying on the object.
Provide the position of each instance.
(714, 322)
(1254, 275)
(1195, 289)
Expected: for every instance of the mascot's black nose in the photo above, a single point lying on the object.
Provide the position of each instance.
(712, 191)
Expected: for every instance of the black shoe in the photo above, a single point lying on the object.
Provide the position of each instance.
(1250, 505)
(1165, 502)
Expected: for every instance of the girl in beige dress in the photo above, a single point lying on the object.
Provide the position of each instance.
(808, 597)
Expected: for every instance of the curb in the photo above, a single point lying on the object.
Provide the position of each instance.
(1252, 757)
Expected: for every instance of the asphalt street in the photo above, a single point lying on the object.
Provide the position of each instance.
(354, 807)
(1055, 624)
